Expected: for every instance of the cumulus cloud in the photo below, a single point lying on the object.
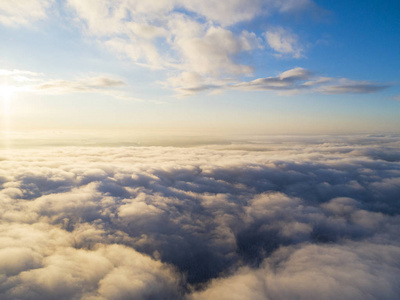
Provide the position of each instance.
(346, 271)
(187, 36)
(198, 48)
(292, 218)
(135, 29)
(23, 12)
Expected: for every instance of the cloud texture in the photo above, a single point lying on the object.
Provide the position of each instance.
(293, 81)
(299, 218)
(23, 12)
(200, 45)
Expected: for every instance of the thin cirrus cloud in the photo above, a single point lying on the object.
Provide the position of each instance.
(81, 85)
(18, 76)
(23, 12)
(284, 42)
(276, 218)
(23, 81)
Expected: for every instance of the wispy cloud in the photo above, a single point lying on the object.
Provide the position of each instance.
(23, 12)
(23, 81)
(284, 42)
(92, 84)
(351, 86)
(18, 76)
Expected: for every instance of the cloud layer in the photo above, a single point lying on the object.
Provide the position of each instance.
(264, 219)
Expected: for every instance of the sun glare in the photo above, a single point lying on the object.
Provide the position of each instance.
(6, 92)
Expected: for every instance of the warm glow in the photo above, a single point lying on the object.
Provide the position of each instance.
(7, 92)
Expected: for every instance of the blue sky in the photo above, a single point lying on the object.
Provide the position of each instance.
(242, 66)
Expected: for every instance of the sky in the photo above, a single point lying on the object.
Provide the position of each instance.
(200, 67)
(196, 150)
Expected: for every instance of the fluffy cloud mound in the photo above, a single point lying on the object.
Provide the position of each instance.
(196, 42)
(298, 218)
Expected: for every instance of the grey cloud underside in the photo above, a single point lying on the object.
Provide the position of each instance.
(261, 220)
(355, 88)
(294, 81)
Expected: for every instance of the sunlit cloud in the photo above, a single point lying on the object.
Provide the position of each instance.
(22, 81)
(197, 48)
(82, 85)
(154, 222)
(283, 42)
(186, 37)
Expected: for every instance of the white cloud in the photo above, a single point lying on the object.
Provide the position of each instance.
(183, 36)
(23, 12)
(295, 74)
(80, 85)
(349, 270)
(18, 76)
(284, 42)
(22, 81)
(196, 46)
(211, 54)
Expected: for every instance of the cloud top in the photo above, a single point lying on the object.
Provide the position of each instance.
(264, 219)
